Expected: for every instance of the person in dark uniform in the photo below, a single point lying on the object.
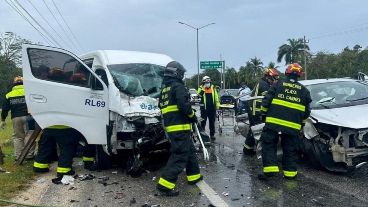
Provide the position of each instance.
(66, 139)
(287, 107)
(178, 117)
(15, 102)
(270, 76)
(210, 103)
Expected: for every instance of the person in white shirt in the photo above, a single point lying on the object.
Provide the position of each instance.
(244, 95)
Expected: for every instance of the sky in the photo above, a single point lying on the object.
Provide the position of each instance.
(243, 29)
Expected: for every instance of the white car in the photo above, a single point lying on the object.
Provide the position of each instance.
(110, 97)
(336, 133)
(194, 97)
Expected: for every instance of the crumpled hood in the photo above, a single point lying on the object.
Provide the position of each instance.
(354, 117)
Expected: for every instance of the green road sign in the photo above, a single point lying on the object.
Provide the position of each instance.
(212, 64)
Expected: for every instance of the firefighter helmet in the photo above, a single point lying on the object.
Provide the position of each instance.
(271, 72)
(295, 69)
(175, 70)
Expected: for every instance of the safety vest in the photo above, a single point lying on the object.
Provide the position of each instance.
(15, 102)
(175, 120)
(202, 91)
(287, 108)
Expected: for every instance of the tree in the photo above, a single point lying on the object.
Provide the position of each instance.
(291, 52)
(11, 47)
(272, 65)
(10, 59)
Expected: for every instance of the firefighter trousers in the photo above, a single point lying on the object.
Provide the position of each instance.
(67, 143)
(289, 145)
(183, 155)
(211, 116)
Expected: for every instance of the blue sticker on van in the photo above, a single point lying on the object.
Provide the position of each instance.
(148, 107)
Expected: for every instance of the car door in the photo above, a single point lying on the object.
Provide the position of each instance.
(61, 90)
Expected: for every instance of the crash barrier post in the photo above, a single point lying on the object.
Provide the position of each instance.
(30, 143)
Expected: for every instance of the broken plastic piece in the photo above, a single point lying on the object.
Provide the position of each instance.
(67, 179)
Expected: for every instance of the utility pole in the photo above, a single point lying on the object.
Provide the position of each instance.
(197, 30)
(305, 57)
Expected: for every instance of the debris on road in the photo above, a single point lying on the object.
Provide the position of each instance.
(148, 205)
(72, 188)
(225, 193)
(87, 177)
(132, 201)
(154, 178)
(73, 201)
(119, 195)
(114, 172)
(67, 180)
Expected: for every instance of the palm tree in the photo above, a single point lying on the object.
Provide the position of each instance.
(272, 65)
(292, 51)
(256, 65)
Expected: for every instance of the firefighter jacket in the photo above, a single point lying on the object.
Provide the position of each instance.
(204, 92)
(14, 102)
(287, 106)
(175, 106)
(260, 90)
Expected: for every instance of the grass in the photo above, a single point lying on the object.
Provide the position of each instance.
(19, 176)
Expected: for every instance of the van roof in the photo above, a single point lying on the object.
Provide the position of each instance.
(124, 56)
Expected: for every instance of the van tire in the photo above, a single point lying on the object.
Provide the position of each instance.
(103, 160)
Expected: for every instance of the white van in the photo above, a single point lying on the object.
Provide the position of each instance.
(109, 96)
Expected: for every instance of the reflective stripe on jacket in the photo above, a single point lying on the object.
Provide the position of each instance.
(286, 106)
(175, 106)
(260, 90)
(14, 102)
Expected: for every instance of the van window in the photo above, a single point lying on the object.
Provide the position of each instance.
(58, 67)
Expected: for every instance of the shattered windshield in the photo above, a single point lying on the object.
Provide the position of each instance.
(338, 94)
(138, 79)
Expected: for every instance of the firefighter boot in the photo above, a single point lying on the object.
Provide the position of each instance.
(167, 192)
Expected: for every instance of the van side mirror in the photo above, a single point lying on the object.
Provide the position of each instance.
(96, 84)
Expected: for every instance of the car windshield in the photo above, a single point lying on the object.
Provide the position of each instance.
(231, 92)
(138, 79)
(338, 94)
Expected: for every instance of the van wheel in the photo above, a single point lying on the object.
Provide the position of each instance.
(103, 160)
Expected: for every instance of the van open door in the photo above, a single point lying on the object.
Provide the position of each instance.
(61, 90)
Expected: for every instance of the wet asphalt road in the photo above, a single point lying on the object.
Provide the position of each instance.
(230, 174)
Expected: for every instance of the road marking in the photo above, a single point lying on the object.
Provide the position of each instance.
(214, 198)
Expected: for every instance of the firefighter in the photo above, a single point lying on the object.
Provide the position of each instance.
(178, 117)
(15, 103)
(270, 76)
(66, 139)
(287, 107)
(210, 103)
(89, 152)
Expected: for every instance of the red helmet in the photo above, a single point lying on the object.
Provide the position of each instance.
(271, 72)
(294, 68)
